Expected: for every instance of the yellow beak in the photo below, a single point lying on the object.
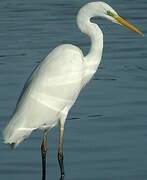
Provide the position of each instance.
(126, 24)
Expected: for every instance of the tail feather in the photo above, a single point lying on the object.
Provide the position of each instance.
(14, 135)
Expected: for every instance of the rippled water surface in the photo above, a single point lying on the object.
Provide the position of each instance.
(106, 130)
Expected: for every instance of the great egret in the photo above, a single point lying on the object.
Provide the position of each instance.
(55, 84)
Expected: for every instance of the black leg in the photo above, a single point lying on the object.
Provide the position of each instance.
(60, 152)
(61, 164)
(43, 154)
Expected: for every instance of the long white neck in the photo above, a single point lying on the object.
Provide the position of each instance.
(93, 31)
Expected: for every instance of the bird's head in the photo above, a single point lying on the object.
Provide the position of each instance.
(110, 14)
(104, 10)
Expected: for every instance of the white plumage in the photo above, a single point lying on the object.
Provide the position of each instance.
(56, 83)
(49, 93)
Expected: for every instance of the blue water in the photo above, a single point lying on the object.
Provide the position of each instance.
(106, 130)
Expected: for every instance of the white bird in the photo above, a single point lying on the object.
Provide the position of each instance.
(54, 86)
